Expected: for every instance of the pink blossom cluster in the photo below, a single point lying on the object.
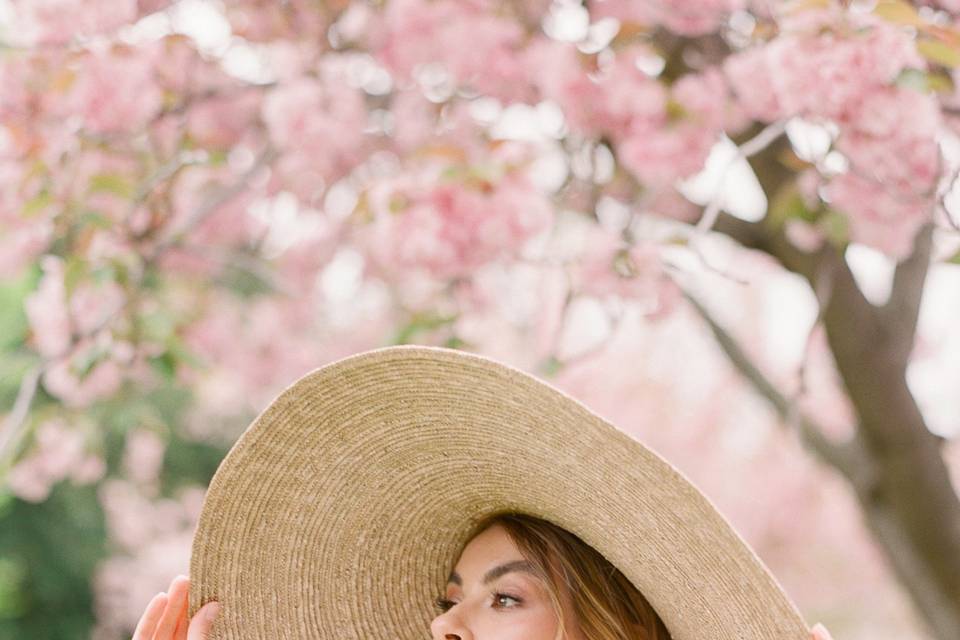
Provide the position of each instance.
(623, 101)
(448, 227)
(662, 133)
(476, 47)
(150, 535)
(249, 352)
(225, 121)
(47, 310)
(609, 266)
(152, 540)
(59, 452)
(278, 342)
(70, 331)
(24, 239)
(114, 90)
(143, 455)
(46, 22)
(422, 128)
(894, 166)
(822, 65)
(57, 108)
(841, 67)
(230, 225)
(887, 193)
(320, 125)
(684, 17)
(878, 217)
(265, 22)
(662, 151)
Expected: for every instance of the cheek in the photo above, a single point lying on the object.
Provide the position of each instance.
(538, 623)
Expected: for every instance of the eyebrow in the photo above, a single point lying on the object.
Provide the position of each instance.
(496, 572)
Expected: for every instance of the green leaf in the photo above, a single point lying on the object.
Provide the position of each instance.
(898, 11)
(940, 83)
(550, 366)
(216, 157)
(398, 202)
(939, 52)
(484, 173)
(787, 204)
(105, 273)
(84, 362)
(157, 326)
(675, 111)
(13, 573)
(455, 342)
(14, 365)
(165, 364)
(928, 82)
(176, 354)
(114, 183)
(420, 323)
(835, 226)
(96, 219)
(73, 272)
(451, 173)
(179, 349)
(37, 203)
(954, 259)
(244, 282)
(13, 319)
(151, 280)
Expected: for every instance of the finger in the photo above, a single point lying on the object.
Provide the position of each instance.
(180, 633)
(176, 606)
(202, 622)
(183, 621)
(819, 632)
(148, 621)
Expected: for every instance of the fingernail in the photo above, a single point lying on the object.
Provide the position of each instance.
(212, 611)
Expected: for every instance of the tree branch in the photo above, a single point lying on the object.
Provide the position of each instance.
(848, 458)
(13, 424)
(209, 207)
(901, 311)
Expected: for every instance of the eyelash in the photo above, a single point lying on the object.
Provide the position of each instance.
(443, 604)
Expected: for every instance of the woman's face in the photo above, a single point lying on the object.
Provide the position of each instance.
(494, 597)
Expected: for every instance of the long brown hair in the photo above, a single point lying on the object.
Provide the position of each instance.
(606, 604)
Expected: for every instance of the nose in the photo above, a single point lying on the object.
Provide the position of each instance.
(449, 626)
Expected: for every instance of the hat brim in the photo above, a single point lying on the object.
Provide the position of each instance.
(337, 513)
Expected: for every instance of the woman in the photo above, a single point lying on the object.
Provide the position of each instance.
(333, 513)
(518, 578)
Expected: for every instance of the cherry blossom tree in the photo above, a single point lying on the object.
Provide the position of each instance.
(201, 201)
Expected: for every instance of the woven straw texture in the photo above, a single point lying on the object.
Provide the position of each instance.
(338, 513)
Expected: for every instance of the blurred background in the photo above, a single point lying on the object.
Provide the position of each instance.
(729, 227)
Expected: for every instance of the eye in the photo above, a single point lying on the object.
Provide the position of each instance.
(498, 596)
(443, 603)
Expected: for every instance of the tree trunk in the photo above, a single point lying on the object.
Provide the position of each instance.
(894, 463)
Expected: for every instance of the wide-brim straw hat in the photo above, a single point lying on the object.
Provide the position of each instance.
(338, 513)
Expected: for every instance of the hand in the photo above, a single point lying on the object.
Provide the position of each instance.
(819, 632)
(166, 616)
